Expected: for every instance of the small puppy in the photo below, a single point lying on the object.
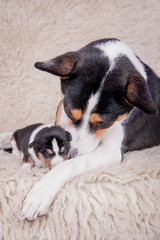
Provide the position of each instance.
(41, 144)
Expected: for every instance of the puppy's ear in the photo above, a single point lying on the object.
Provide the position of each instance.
(69, 137)
(60, 66)
(32, 144)
(138, 94)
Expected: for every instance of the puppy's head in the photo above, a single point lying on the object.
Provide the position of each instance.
(52, 145)
(101, 83)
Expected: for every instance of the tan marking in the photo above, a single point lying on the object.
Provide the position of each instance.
(13, 138)
(77, 114)
(121, 117)
(62, 149)
(69, 122)
(49, 150)
(14, 146)
(95, 118)
(64, 78)
(31, 161)
(59, 112)
(130, 104)
(46, 162)
(100, 133)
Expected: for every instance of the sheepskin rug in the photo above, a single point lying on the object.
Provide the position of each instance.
(121, 202)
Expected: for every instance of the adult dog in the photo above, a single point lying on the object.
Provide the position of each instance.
(110, 105)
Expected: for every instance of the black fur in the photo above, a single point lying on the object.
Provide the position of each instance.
(22, 137)
(143, 130)
(43, 140)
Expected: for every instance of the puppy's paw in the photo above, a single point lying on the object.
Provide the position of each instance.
(36, 203)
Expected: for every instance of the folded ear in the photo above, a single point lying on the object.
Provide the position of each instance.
(138, 94)
(60, 66)
(32, 144)
(69, 137)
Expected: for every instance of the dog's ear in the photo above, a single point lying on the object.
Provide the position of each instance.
(138, 94)
(69, 137)
(32, 144)
(60, 66)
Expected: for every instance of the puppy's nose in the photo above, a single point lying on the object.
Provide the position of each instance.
(74, 153)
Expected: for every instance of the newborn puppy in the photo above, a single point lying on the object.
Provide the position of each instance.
(41, 144)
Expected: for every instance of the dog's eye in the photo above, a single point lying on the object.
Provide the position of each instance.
(62, 149)
(47, 152)
(99, 123)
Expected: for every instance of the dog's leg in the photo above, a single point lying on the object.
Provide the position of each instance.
(42, 194)
(5, 140)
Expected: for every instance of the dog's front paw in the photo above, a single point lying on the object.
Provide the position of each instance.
(36, 203)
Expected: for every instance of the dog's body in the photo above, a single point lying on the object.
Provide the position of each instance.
(41, 144)
(110, 106)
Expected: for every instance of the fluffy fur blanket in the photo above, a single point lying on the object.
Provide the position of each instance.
(119, 202)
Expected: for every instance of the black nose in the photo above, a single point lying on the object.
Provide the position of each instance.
(40, 66)
(74, 153)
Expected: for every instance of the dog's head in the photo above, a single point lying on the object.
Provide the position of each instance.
(52, 145)
(101, 83)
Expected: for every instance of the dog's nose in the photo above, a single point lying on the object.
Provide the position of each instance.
(74, 153)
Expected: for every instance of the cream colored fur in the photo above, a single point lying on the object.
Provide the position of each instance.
(119, 202)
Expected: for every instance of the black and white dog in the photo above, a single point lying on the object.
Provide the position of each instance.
(110, 105)
(41, 144)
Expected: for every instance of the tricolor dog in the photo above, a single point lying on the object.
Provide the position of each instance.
(110, 105)
(41, 144)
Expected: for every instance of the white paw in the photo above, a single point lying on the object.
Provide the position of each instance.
(36, 203)
(42, 194)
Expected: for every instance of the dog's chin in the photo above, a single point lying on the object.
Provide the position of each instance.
(83, 148)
